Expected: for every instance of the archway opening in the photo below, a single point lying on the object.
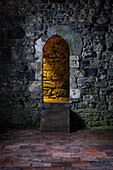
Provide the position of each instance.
(56, 70)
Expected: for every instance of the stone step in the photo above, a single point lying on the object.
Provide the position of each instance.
(54, 128)
(55, 121)
(56, 105)
(52, 112)
(55, 118)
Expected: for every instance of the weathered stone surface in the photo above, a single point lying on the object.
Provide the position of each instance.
(74, 61)
(79, 73)
(111, 122)
(39, 44)
(39, 26)
(50, 13)
(25, 28)
(97, 2)
(100, 123)
(36, 86)
(102, 20)
(100, 28)
(96, 63)
(102, 77)
(52, 120)
(106, 114)
(109, 38)
(108, 2)
(110, 106)
(74, 57)
(84, 80)
(75, 93)
(23, 68)
(30, 75)
(77, 44)
(38, 57)
(85, 63)
(16, 33)
(101, 105)
(20, 75)
(106, 55)
(91, 72)
(74, 64)
(110, 72)
(65, 32)
(101, 84)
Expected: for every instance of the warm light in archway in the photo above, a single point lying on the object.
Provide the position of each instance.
(56, 70)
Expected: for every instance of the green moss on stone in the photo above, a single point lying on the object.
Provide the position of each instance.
(71, 45)
(101, 128)
(62, 32)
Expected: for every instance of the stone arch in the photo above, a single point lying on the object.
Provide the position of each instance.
(56, 55)
(75, 44)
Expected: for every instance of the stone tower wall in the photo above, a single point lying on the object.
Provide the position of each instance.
(87, 27)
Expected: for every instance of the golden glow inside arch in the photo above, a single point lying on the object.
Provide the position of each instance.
(56, 70)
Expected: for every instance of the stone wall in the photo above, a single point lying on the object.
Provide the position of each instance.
(87, 26)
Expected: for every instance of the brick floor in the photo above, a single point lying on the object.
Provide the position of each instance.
(30, 149)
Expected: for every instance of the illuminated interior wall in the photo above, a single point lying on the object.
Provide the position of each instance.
(56, 70)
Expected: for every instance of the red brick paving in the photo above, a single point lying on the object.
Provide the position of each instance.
(30, 149)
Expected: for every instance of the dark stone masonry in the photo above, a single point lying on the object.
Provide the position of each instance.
(25, 27)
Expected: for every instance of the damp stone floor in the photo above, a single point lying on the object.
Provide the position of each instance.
(30, 149)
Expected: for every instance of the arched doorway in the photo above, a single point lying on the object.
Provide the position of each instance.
(56, 70)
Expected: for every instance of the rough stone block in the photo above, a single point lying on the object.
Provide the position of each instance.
(101, 105)
(36, 86)
(30, 75)
(110, 106)
(101, 84)
(74, 57)
(74, 64)
(65, 32)
(50, 13)
(20, 76)
(75, 93)
(109, 38)
(74, 61)
(85, 63)
(39, 57)
(39, 44)
(111, 121)
(75, 44)
(97, 2)
(100, 28)
(23, 68)
(110, 72)
(82, 80)
(78, 73)
(87, 97)
(91, 72)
